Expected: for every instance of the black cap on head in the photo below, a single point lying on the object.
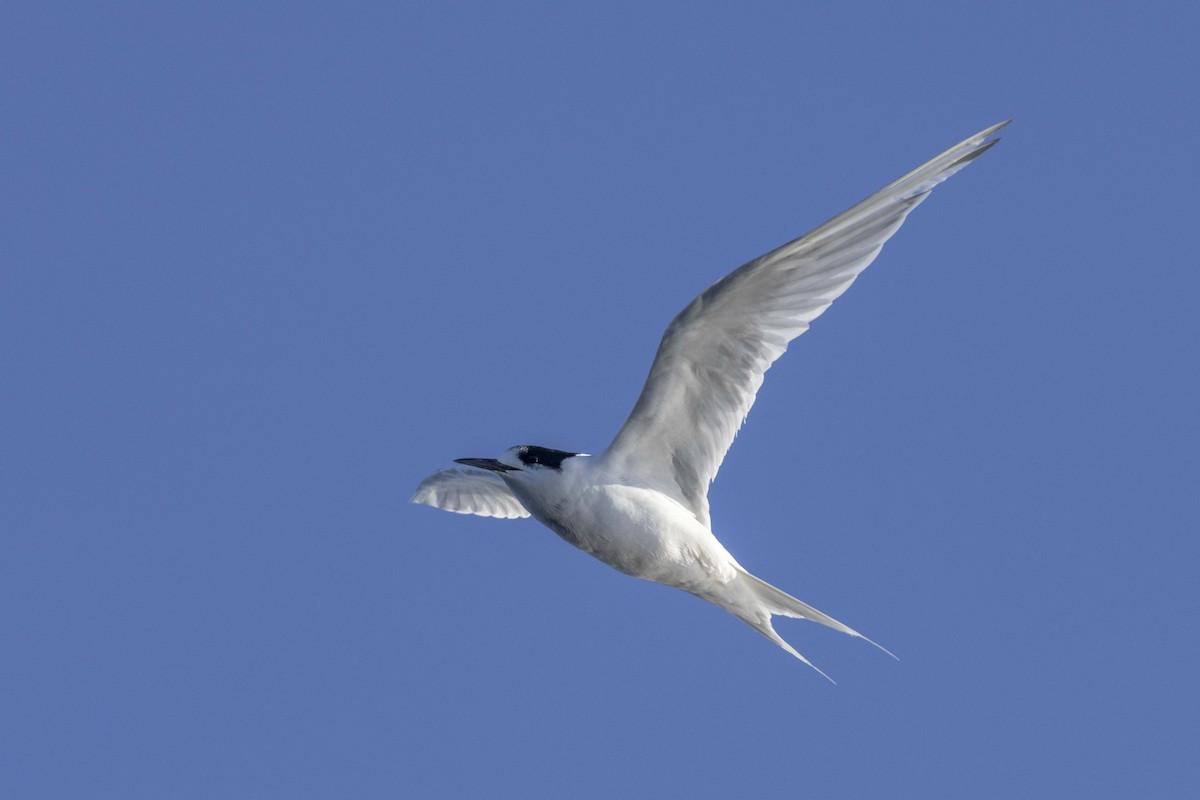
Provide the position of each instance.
(532, 454)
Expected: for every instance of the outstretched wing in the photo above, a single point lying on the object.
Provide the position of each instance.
(713, 355)
(467, 490)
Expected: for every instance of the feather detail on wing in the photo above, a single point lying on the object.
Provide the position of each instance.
(712, 358)
(467, 490)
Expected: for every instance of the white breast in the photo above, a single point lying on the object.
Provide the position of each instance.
(636, 530)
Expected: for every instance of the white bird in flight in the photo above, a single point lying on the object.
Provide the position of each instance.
(641, 506)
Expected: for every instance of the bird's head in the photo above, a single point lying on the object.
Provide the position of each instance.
(522, 458)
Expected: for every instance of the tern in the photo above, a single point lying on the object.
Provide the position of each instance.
(641, 506)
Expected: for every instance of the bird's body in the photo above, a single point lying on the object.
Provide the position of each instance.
(641, 506)
(635, 529)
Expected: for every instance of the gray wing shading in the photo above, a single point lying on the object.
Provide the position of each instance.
(712, 358)
(467, 490)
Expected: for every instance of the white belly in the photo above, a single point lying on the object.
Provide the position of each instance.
(639, 531)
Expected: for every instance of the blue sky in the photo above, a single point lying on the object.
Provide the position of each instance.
(264, 267)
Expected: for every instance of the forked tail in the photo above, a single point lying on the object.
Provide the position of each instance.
(772, 601)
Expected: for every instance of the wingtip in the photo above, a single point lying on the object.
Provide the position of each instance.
(421, 495)
(986, 139)
(986, 132)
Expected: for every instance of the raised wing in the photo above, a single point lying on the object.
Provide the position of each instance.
(467, 490)
(713, 355)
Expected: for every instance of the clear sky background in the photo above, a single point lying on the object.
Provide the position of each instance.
(263, 267)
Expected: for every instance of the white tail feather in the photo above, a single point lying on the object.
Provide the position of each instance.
(772, 601)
